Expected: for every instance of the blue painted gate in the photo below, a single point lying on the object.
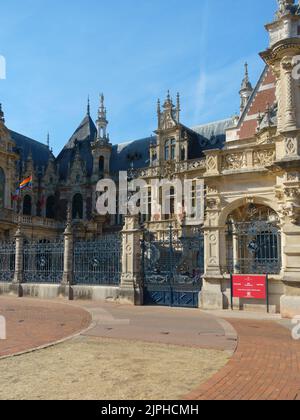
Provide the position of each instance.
(172, 269)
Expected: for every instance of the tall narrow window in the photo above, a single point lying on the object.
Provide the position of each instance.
(27, 206)
(50, 207)
(101, 165)
(167, 150)
(77, 208)
(173, 149)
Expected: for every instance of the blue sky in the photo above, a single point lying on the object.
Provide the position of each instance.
(133, 50)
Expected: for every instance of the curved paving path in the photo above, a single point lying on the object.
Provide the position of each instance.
(34, 323)
(266, 366)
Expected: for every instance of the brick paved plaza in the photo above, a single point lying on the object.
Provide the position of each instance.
(253, 357)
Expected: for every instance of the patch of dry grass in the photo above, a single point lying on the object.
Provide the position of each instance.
(103, 369)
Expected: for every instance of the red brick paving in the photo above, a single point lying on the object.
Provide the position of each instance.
(266, 366)
(34, 323)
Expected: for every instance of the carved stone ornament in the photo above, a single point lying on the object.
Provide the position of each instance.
(290, 211)
(291, 146)
(234, 161)
(211, 163)
(264, 157)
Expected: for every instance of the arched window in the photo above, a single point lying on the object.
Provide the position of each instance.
(101, 165)
(27, 205)
(77, 207)
(2, 188)
(50, 207)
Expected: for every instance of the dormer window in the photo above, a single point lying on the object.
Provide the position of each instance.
(170, 149)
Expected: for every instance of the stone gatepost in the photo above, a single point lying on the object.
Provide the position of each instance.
(67, 280)
(131, 288)
(16, 287)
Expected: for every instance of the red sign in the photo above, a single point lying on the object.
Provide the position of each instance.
(249, 287)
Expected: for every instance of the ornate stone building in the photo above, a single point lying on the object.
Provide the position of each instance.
(249, 164)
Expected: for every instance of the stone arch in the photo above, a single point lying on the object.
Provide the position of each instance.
(253, 239)
(243, 202)
(2, 188)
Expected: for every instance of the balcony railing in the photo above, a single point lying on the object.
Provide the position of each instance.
(10, 216)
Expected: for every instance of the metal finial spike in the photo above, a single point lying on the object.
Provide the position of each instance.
(88, 107)
(48, 140)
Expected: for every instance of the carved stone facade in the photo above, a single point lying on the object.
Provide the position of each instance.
(259, 169)
(250, 166)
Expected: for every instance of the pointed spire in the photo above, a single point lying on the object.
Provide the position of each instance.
(88, 107)
(102, 121)
(2, 119)
(246, 89)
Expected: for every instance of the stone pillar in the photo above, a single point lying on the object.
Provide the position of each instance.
(18, 277)
(131, 289)
(16, 286)
(68, 253)
(289, 114)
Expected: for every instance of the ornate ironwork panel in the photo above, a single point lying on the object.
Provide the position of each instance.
(43, 261)
(253, 247)
(7, 261)
(172, 269)
(98, 262)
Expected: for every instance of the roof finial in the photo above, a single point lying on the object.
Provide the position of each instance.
(48, 140)
(246, 89)
(88, 107)
(178, 107)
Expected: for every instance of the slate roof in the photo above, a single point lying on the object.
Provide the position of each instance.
(25, 145)
(203, 137)
(82, 138)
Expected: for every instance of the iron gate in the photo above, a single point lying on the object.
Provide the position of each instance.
(172, 269)
(98, 262)
(253, 247)
(7, 261)
(43, 261)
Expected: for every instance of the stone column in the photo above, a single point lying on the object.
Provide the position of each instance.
(289, 91)
(68, 252)
(18, 277)
(16, 287)
(131, 289)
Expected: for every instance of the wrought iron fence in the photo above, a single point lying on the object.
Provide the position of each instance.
(7, 261)
(98, 262)
(43, 261)
(253, 248)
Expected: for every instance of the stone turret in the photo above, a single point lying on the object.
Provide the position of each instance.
(101, 147)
